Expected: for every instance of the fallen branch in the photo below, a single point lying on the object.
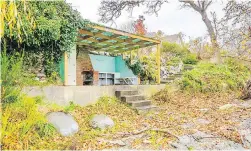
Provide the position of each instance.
(122, 135)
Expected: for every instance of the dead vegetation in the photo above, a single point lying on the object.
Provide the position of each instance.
(156, 130)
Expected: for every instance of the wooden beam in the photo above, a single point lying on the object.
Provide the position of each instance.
(125, 34)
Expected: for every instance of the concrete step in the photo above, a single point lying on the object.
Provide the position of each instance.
(140, 103)
(125, 92)
(129, 98)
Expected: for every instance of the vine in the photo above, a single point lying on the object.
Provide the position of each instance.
(55, 31)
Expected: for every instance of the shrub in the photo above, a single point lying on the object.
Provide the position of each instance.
(208, 77)
(12, 77)
(174, 48)
(23, 125)
(145, 67)
(190, 59)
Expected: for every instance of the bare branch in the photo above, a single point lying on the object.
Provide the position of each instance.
(112, 9)
(208, 4)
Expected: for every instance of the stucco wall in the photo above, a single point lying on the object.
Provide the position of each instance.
(84, 95)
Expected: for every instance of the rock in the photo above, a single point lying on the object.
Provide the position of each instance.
(203, 121)
(101, 121)
(246, 104)
(203, 141)
(146, 142)
(226, 106)
(64, 123)
(203, 110)
(187, 125)
(245, 132)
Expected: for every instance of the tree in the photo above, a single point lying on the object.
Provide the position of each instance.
(140, 26)
(110, 10)
(235, 37)
(128, 26)
(238, 13)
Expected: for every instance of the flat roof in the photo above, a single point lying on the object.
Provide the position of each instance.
(100, 38)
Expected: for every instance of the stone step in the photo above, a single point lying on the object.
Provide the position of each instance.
(128, 98)
(120, 93)
(140, 103)
(188, 67)
(178, 74)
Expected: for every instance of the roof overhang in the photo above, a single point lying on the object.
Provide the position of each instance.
(100, 38)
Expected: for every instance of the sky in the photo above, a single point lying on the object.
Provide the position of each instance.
(171, 18)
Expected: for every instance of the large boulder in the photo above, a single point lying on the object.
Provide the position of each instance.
(101, 121)
(64, 123)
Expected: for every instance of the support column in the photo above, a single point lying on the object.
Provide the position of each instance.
(158, 63)
(65, 68)
(70, 67)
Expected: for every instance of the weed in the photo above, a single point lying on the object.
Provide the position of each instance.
(70, 107)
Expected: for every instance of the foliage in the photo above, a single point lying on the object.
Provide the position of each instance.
(57, 25)
(208, 77)
(12, 77)
(23, 125)
(12, 16)
(190, 59)
(145, 67)
(174, 49)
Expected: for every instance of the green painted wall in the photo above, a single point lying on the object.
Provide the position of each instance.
(122, 68)
(111, 64)
(103, 63)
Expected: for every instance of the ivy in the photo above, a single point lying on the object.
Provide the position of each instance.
(56, 29)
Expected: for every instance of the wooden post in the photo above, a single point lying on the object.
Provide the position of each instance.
(158, 63)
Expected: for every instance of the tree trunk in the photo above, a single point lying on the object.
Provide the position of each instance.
(217, 55)
(247, 91)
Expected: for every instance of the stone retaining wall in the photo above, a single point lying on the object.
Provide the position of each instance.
(84, 95)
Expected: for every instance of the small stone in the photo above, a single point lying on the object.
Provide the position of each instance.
(226, 106)
(203, 121)
(146, 141)
(203, 110)
(101, 121)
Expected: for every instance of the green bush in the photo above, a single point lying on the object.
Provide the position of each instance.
(174, 48)
(208, 77)
(190, 59)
